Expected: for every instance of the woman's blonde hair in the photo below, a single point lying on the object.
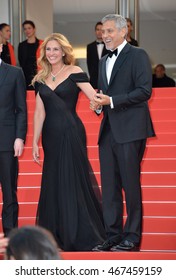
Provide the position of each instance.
(43, 63)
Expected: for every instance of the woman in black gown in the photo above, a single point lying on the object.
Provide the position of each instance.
(67, 204)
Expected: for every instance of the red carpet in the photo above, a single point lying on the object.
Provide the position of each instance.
(158, 178)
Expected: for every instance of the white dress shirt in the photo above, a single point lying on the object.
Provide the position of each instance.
(100, 49)
(110, 64)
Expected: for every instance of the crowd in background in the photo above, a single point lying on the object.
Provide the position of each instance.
(28, 53)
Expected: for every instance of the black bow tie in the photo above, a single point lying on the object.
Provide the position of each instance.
(99, 43)
(115, 52)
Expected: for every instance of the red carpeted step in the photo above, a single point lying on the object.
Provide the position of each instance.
(118, 256)
(150, 224)
(150, 178)
(159, 165)
(163, 103)
(29, 179)
(158, 224)
(92, 138)
(150, 208)
(161, 255)
(158, 241)
(93, 128)
(156, 194)
(163, 114)
(155, 151)
(149, 194)
(165, 126)
(158, 178)
(163, 138)
(160, 151)
(29, 166)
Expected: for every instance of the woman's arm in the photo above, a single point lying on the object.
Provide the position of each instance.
(87, 89)
(39, 117)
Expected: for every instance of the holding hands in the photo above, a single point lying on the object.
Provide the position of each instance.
(98, 101)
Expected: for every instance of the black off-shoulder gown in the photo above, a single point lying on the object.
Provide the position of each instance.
(67, 205)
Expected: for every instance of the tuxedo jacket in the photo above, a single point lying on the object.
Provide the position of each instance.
(93, 62)
(130, 87)
(13, 110)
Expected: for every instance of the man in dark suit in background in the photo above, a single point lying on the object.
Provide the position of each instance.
(13, 127)
(125, 78)
(95, 51)
(160, 79)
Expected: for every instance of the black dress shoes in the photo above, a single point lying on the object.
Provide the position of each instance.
(125, 245)
(108, 244)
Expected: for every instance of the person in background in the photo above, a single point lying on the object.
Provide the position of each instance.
(125, 76)
(28, 52)
(95, 51)
(31, 243)
(129, 38)
(8, 54)
(13, 127)
(160, 79)
(67, 205)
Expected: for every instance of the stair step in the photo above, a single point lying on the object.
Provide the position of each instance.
(163, 114)
(92, 138)
(93, 127)
(150, 178)
(155, 194)
(142, 255)
(162, 103)
(150, 224)
(119, 255)
(158, 178)
(148, 165)
(155, 151)
(163, 138)
(150, 208)
(29, 179)
(88, 115)
(159, 165)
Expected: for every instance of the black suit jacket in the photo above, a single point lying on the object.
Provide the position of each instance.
(93, 62)
(13, 110)
(130, 87)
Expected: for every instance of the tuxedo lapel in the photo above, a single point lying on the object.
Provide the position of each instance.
(119, 61)
(104, 72)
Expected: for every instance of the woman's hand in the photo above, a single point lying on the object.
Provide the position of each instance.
(35, 153)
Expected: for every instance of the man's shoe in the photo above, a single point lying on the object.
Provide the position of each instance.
(107, 245)
(125, 245)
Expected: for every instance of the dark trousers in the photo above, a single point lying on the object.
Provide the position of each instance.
(120, 169)
(8, 179)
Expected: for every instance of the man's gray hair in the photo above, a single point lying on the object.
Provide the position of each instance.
(120, 21)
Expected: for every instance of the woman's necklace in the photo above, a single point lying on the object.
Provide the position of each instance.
(54, 76)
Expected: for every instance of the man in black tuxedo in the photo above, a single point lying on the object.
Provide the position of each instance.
(125, 78)
(13, 127)
(95, 51)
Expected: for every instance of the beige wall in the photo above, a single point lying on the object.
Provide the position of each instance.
(41, 13)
